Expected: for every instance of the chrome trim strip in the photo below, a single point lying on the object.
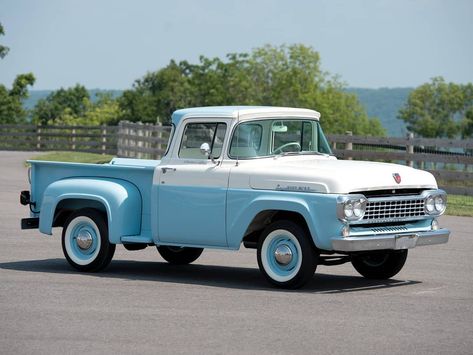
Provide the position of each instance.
(423, 195)
(371, 231)
(381, 242)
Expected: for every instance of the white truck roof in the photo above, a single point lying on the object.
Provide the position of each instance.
(242, 112)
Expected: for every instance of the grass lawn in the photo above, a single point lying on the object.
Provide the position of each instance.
(74, 157)
(460, 205)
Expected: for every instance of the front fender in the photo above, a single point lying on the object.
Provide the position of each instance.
(121, 200)
(318, 210)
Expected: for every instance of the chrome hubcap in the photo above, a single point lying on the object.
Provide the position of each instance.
(283, 254)
(84, 240)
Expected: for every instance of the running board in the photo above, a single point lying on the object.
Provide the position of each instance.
(136, 239)
(334, 260)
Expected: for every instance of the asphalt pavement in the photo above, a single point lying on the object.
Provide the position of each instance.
(221, 304)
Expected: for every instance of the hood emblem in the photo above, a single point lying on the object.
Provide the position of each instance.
(397, 178)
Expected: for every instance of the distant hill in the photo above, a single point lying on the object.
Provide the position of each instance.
(383, 103)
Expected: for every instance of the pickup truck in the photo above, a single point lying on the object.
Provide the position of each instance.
(261, 177)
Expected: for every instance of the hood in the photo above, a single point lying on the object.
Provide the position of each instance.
(329, 175)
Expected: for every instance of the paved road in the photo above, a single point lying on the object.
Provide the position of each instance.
(221, 304)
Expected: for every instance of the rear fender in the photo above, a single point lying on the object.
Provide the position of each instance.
(120, 199)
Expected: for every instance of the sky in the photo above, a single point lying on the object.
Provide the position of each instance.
(108, 44)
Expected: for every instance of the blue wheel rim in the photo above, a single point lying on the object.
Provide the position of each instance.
(78, 252)
(277, 268)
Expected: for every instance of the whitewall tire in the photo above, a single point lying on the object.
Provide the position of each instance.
(286, 256)
(85, 240)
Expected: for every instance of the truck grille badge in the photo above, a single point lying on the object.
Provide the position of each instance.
(397, 178)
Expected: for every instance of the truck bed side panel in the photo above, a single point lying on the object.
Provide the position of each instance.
(45, 173)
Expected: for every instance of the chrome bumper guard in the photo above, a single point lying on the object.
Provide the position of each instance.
(390, 241)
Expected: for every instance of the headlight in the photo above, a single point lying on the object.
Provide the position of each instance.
(358, 209)
(435, 202)
(348, 209)
(440, 203)
(351, 207)
(430, 204)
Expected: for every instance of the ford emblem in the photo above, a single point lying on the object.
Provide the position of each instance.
(397, 178)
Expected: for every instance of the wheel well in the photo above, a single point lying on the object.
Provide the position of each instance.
(265, 218)
(66, 207)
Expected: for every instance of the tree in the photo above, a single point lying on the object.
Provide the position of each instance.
(103, 112)
(11, 105)
(3, 50)
(276, 76)
(157, 94)
(74, 106)
(439, 109)
(71, 102)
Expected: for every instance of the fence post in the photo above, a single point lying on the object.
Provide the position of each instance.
(422, 163)
(119, 146)
(349, 145)
(410, 148)
(140, 141)
(131, 130)
(104, 139)
(74, 139)
(159, 146)
(127, 140)
(38, 137)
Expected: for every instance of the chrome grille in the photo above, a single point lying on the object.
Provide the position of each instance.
(394, 209)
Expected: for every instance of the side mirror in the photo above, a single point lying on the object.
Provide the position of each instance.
(205, 149)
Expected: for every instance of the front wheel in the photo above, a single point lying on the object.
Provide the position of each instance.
(286, 256)
(380, 265)
(179, 255)
(85, 240)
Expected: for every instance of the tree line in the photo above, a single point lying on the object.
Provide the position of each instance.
(269, 76)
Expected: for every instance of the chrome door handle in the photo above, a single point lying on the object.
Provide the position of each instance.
(164, 169)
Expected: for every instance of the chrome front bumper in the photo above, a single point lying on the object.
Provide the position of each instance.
(390, 241)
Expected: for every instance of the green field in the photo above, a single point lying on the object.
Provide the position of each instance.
(460, 205)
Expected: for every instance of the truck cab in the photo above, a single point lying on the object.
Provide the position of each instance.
(261, 177)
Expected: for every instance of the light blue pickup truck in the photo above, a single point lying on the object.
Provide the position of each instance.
(262, 177)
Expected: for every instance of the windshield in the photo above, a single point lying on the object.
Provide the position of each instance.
(278, 136)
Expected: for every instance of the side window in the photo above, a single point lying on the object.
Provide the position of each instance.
(246, 141)
(197, 133)
(219, 138)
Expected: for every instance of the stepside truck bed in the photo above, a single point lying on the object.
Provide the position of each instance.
(138, 173)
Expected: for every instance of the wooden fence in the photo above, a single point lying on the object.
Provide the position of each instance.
(450, 160)
(142, 141)
(90, 139)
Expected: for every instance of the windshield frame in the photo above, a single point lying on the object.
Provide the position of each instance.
(322, 139)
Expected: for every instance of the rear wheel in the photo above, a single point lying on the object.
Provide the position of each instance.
(380, 265)
(179, 255)
(85, 240)
(286, 257)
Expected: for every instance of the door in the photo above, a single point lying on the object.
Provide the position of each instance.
(193, 189)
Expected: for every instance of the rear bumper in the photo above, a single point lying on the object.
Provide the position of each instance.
(390, 241)
(30, 223)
